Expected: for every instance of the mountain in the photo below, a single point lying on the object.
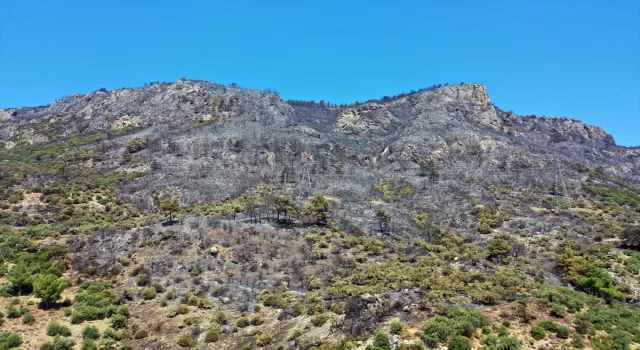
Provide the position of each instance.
(316, 223)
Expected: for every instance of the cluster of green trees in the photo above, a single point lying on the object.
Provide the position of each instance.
(34, 273)
(457, 325)
(588, 277)
(263, 203)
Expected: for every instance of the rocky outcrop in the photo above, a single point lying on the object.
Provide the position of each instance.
(202, 136)
(126, 109)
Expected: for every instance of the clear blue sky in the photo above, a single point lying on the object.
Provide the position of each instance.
(578, 59)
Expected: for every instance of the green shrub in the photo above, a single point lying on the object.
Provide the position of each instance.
(49, 287)
(76, 317)
(242, 322)
(295, 334)
(221, 318)
(264, 340)
(27, 268)
(256, 320)
(297, 309)
(576, 341)
(538, 333)
(633, 263)
(136, 270)
(562, 332)
(142, 279)
(509, 343)
(9, 340)
(92, 303)
(491, 341)
(380, 341)
(550, 326)
(149, 293)
(414, 346)
(617, 340)
(90, 332)
(182, 310)
(213, 334)
(573, 300)
(458, 321)
(503, 331)
(54, 328)
(27, 318)
(459, 342)
(118, 321)
(13, 311)
(319, 320)
(58, 343)
(185, 341)
(488, 218)
(498, 249)
(396, 327)
(596, 281)
(437, 330)
(137, 145)
(89, 344)
(111, 333)
(558, 310)
(618, 317)
(140, 334)
(275, 301)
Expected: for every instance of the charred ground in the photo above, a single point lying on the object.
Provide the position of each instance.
(305, 224)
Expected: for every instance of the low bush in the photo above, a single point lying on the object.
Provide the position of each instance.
(140, 334)
(538, 333)
(92, 303)
(213, 334)
(380, 341)
(90, 332)
(185, 341)
(9, 340)
(550, 326)
(396, 327)
(319, 320)
(264, 340)
(55, 328)
(27, 318)
(148, 293)
(58, 343)
(242, 322)
(458, 321)
(89, 344)
(459, 342)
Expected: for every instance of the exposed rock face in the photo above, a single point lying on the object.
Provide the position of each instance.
(207, 141)
(124, 109)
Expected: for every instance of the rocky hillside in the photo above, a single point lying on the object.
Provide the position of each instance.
(315, 224)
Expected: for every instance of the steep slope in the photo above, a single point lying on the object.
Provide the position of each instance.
(426, 200)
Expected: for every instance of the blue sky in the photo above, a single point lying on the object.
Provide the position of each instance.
(579, 59)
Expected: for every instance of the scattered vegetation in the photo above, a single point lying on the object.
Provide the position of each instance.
(91, 243)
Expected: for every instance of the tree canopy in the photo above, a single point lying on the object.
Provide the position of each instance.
(171, 206)
(317, 210)
(49, 287)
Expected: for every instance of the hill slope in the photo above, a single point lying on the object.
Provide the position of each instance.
(316, 222)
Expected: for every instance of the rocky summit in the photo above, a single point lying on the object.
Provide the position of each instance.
(197, 215)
